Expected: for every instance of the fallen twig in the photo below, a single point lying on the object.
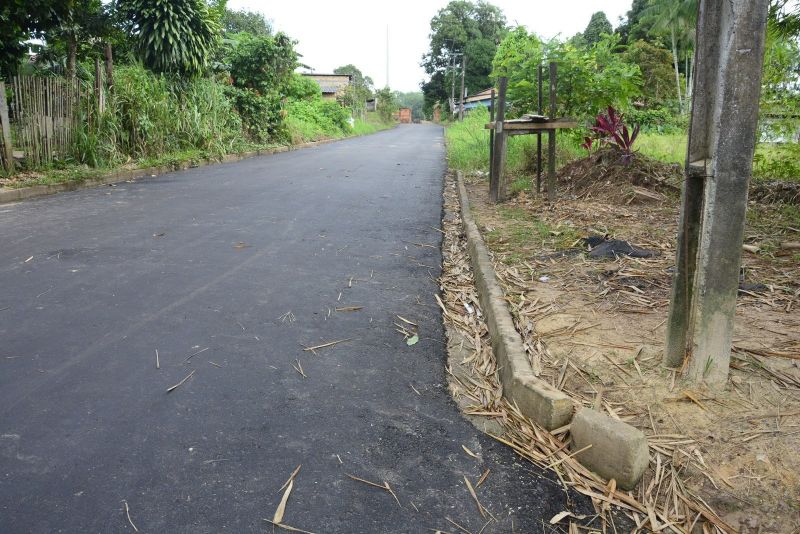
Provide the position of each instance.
(179, 384)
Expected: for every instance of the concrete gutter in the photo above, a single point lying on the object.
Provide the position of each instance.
(24, 193)
(611, 448)
(536, 399)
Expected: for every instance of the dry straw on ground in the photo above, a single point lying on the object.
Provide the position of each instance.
(662, 501)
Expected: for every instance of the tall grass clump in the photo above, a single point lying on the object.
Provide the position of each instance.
(148, 115)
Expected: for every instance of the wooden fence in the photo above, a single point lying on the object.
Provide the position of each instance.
(45, 112)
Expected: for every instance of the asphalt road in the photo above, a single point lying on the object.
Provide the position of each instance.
(241, 265)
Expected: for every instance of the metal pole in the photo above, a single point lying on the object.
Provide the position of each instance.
(722, 137)
(551, 136)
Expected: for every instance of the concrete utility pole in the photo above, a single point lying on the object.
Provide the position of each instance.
(722, 137)
(463, 72)
(452, 84)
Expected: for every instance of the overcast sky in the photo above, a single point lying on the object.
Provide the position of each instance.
(338, 32)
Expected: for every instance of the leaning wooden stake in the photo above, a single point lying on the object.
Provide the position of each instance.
(551, 136)
(496, 185)
(722, 137)
(7, 157)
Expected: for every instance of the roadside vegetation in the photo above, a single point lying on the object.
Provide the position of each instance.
(643, 69)
(230, 86)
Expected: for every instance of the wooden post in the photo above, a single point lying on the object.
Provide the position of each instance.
(722, 137)
(109, 66)
(463, 73)
(496, 185)
(551, 136)
(539, 135)
(8, 150)
(491, 134)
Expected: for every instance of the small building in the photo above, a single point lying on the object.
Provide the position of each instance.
(404, 115)
(372, 104)
(330, 84)
(482, 98)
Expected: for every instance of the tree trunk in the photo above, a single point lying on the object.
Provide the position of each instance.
(675, 63)
(72, 52)
(109, 66)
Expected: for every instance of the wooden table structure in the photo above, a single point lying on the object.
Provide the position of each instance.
(500, 129)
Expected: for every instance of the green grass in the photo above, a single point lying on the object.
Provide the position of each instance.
(669, 148)
(521, 229)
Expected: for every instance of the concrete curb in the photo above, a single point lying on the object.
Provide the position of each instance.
(536, 399)
(24, 193)
(612, 448)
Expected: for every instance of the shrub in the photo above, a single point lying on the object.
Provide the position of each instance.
(610, 129)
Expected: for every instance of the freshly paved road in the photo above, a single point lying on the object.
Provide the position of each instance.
(94, 282)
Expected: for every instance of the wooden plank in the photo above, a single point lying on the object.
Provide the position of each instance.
(531, 127)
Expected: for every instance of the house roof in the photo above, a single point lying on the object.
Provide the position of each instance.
(486, 94)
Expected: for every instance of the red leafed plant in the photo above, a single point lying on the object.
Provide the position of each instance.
(610, 129)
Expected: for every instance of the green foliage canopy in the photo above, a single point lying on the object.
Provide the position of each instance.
(236, 21)
(655, 65)
(598, 25)
(175, 36)
(462, 27)
(387, 104)
(589, 79)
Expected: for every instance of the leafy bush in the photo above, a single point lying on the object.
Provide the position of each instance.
(659, 120)
(261, 115)
(303, 88)
(610, 129)
(263, 63)
(589, 79)
(316, 119)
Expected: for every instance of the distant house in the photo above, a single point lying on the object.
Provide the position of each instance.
(331, 84)
(404, 115)
(372, 104)
(482, 98)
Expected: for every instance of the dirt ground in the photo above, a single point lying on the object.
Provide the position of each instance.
(596, 329)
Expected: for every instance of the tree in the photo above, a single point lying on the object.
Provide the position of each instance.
(632, 29)
(598, 25)
(655, 64)
(175, 36)
(387, 105)
(356, 94)
(461, 28)
(245, 21)
(677, 18)
(264, 63)
(589, 79)
(21, 20)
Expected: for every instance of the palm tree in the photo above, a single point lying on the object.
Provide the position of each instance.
(679, 19)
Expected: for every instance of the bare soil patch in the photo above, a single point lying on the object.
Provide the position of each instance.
(595, 328)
